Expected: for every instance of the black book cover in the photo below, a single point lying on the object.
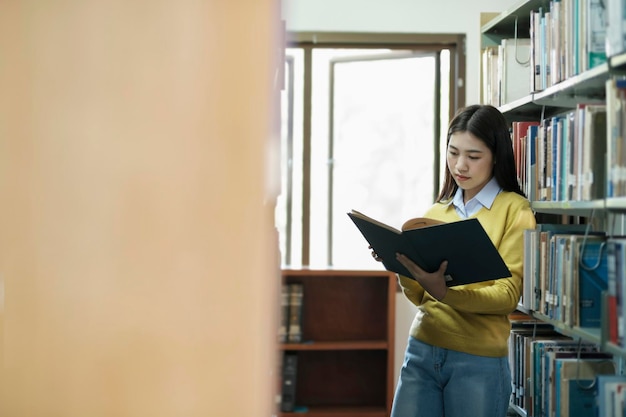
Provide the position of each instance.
(289, 374)
(471, 255)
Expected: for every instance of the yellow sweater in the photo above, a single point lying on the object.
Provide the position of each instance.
(474, 318)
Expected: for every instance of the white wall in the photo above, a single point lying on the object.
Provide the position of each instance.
(399, 16)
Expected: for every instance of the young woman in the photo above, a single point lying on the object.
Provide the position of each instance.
(456, 362)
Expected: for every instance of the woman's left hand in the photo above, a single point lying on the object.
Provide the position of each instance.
(433, 282)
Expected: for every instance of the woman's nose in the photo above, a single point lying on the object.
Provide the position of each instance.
(461, 164)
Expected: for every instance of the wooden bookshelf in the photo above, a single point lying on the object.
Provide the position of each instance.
(346, 357)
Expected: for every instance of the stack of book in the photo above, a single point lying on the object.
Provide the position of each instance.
(565, 273)
(290, 331)
(555, 375)
(563, 158)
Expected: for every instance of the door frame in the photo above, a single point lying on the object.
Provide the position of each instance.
(307, 41)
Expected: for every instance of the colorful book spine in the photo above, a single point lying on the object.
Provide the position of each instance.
(591, 276)
(612, 325)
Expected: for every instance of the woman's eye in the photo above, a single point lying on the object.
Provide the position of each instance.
(474, 158)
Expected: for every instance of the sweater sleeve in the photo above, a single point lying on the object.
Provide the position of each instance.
(411, 289)
(500, 296)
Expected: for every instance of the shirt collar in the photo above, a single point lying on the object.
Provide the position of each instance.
(485, 196)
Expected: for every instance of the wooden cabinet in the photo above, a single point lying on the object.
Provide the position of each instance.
(346, 358)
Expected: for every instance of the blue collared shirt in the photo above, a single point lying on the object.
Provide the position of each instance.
(484, 198)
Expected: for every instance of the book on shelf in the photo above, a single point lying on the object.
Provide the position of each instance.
(537, 266)
(555, 42)
(593, 152)
(616, 27)
(569, 29)
(616, 125)
(490, 84)
(296, 299)
(573, 268)
(611, 397)
(595, 32)
(541, 379)
(546, 40)
(557, 361)
(531, 175)
(536, 64)
(519, 136)
(611, 293)
(589, 279)
(471, 255)
(283, 325)
(554, 160)
(529, 272)
(574, 391)
(566, 39)
(620, 267)
(289, 378)
(522, 332)
(566, 155)
(513, 66)
(616, 283)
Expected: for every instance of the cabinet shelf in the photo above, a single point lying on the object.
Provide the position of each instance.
(616, 203)
(568, 93)
(516, 17)
(352, 345)
(590, 334)
(588, 87)
(618, 62)
(615, 349)
(573, 208)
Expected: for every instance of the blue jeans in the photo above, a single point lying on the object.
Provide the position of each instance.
(436, 382)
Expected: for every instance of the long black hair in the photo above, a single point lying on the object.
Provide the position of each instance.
(489, 125)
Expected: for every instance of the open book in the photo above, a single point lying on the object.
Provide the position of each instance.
(471, 255)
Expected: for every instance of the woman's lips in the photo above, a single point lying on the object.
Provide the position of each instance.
(461, 178)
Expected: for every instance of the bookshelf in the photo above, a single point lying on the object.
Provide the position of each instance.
(345, 359)
(606, 213)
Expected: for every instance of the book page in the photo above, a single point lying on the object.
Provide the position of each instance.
(419, 222)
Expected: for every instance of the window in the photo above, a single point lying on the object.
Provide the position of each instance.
(361, 129)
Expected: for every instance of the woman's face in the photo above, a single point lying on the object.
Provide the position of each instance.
(470, 163)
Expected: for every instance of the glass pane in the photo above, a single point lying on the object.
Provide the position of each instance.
(384, 147)
(320, 100)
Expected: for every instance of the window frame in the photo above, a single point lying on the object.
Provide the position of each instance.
(308, 41)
